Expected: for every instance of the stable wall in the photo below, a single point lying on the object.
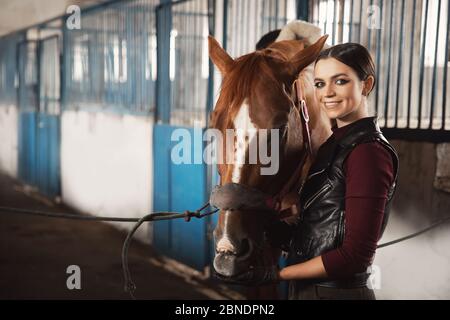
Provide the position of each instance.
(418, 268)
(8, 140)
(106, 165)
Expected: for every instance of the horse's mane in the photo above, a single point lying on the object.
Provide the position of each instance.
(237, 85)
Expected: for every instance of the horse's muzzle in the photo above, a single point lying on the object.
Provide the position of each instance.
(230, 264)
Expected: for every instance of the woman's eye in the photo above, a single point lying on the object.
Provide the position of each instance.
(341, 81)
(318, 84)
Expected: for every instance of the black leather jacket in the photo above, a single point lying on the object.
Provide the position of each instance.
(321, 227)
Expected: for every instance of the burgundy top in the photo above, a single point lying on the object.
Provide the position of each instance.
(369, 175)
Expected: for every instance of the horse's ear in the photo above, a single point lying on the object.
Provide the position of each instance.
(219, 56)
(308, 55)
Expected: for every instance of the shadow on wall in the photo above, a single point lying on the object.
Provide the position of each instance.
(418, 268)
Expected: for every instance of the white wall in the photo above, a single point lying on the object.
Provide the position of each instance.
(418, 268)
(106, 165)
(8, 140)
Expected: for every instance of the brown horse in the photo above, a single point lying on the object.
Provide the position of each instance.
(257, 93)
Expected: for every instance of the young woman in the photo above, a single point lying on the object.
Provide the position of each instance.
(345, 199)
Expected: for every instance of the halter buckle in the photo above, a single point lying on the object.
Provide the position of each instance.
(304, 110)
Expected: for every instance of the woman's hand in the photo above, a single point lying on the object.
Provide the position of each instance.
(311, 269)
(291, 200)
(254, 277)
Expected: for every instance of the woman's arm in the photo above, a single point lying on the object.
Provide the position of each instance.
(313, 268)
(369, 175)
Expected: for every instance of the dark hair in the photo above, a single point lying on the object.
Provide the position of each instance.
(267, 39)
(353, 55)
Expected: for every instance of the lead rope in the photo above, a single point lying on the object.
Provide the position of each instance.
(434, 225)
(130, 287)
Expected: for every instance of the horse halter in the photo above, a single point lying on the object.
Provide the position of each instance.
(236, 196)
(300, 100)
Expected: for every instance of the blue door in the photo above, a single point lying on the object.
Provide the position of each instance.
(179, 187)
(28, 105)
(48, 138)
(39, 120)
(181, 103)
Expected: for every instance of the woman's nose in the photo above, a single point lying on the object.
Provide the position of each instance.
(329, 91)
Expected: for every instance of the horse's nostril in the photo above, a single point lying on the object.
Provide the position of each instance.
(244, 249)
(225, 251)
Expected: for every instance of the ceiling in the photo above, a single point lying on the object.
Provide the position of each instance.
(18, 14)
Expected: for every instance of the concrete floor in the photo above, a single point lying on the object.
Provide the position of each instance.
(36, 251)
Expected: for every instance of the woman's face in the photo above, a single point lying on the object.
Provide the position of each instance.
(338, 89)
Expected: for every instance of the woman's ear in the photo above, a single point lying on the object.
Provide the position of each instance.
(368, 85)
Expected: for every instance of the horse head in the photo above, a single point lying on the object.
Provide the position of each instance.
(257, 93)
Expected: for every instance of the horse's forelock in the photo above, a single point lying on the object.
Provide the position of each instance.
(239, 85)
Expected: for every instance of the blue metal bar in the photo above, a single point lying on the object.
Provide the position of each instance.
(225, 24)
(386, 101)
(370, 32)
(411, 57)
(424, 135)
(163, 86)
(276, 13)
(360, 20)
(194, 49)
(302, 10)
(399, 62)
(341, 22)
(377, 107)
(241, 34)
(169, 3)
(433, 85)
(326, 17)
(211, 31)
(446, 60)
(334, 21)
(350, 22)
(422, 65)
(248, 15)
(189, 14)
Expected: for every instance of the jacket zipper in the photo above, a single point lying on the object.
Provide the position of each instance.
(316, 195)
(341, 228)
(308, 177)
(315, 173)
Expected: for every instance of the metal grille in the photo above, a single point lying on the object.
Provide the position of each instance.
(28, 75)
(110, 62)
(409, 41)
(189, 63)
(247, 21)
(8, 78)
(49, 74)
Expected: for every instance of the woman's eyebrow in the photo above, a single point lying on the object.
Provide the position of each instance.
(333, 77)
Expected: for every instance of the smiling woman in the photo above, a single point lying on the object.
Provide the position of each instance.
(344, 78)
(344, 201)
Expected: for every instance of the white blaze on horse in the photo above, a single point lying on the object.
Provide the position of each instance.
(259, 92)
